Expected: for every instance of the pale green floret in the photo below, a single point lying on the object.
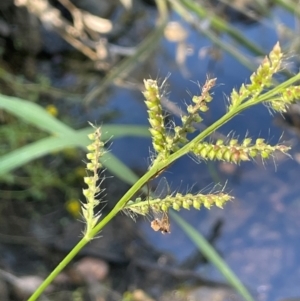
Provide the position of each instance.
(92, 136)
(88, 180)
(91, 147)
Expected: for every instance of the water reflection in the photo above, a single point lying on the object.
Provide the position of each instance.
(260, 232)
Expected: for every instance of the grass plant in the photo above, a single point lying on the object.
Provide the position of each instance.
(171, 143)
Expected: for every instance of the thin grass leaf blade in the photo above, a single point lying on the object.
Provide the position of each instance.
(221, 25)
(118, 168)
(33, 114)
(210, 253)
(38, 149)
(116, 131)
(23, 155)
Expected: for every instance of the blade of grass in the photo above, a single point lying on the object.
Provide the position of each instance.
(210, 253)
(34, 114)
(119, 169)
(113, 131)
(229, 48)
(25, 154)
(39, 117)
(221, 25)
(188, 17)
(65, 137)
(290, 6)
(38, 149)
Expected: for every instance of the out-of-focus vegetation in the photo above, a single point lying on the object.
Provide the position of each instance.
(43, 140)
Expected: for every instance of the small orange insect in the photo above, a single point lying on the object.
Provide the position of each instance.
(161, 220)
(161, 224)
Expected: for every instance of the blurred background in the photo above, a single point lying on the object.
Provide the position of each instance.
(70, 62)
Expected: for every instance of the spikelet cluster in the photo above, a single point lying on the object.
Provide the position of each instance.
(166, 142)
(235, 152)
(286, 97)
(177, 202)
(95, 151)
(199, 105)
(156, 118)
(260, 79)
(169, 141)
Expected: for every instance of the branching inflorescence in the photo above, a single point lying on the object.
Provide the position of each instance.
(169, 142)
(174, 141)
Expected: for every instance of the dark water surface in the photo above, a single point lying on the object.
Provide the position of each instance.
(260, 236)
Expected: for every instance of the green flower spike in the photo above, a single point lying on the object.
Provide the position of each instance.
(200, 105)
(178, 202)
(285, 98)
(260, 79)
(93, 165)
(163, 142)
(156, 118)
(235, 153)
